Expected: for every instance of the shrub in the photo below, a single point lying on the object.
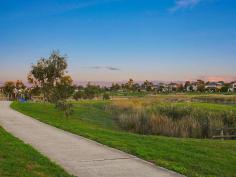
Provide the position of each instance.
(106, 96)
(66, 107)
(78, 95)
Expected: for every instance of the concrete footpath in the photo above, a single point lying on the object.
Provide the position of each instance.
(77, 155)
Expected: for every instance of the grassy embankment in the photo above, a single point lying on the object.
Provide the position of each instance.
(19, 159)
(192, 157)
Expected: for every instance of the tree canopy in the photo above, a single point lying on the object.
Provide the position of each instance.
(47, 72)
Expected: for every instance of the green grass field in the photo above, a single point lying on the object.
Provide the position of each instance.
(20, 160)
(192, 157)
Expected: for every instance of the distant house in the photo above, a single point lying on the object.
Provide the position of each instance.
(213, 86)
(173, 87)
(156, 87)
(192, 87)
(233, 87)
(142, 90)
(162, 87)
(189, 88)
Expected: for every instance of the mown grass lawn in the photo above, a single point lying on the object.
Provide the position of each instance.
(20, 160)
(192, 157)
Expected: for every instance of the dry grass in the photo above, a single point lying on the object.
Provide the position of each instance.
(226, 99)
(151, 116)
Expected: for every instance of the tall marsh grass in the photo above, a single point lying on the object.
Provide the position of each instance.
(156, 118)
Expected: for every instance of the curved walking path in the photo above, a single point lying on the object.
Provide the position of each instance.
(79, 156)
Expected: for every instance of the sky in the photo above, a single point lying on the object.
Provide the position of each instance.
(114, 40)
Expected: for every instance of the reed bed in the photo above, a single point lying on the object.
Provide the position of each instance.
(169, 119)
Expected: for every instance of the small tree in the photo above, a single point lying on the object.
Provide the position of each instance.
(63, 90)
(91, 91)
(115, 87)
(106, 96)
(201, 87)
(66, 107)
(21, 91)
(8, 90)
(224, 89)
(20, 85)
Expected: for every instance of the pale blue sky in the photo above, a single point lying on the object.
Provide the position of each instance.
(118, 39)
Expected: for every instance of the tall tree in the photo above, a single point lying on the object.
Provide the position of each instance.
(47, 72)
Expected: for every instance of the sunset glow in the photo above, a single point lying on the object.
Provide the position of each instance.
(115, 40)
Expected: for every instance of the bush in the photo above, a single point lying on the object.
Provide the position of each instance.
(106, 96)
(78, 95)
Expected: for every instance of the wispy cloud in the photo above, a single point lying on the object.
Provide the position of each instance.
(37, 9)
(105, 67)
(183, 4)
(85, 4)
(112, 68)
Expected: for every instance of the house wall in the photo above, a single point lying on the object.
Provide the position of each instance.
(234, 87)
